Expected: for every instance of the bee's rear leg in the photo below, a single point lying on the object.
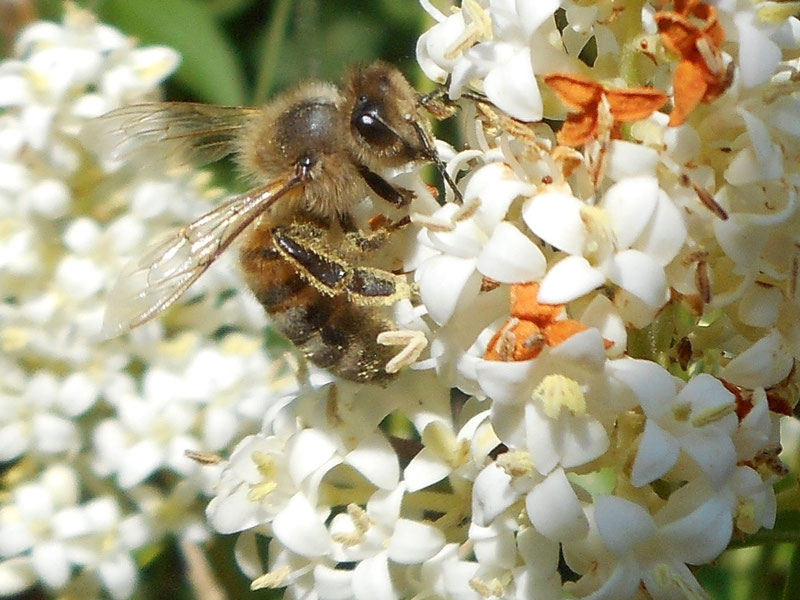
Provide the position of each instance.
(331, 274)
(413, 342)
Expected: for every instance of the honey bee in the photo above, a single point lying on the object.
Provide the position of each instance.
(315, 152)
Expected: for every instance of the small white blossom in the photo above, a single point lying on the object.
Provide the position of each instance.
(697, 419)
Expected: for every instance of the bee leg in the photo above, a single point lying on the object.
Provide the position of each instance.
(381, 229)
(330, 273)
(413, 342)
(375, 287)
(398, 196)
(324, 272)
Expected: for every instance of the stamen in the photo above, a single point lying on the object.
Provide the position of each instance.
(712, 415)
(272, 579)
(556, 391)
(413, 340)
(516, 463)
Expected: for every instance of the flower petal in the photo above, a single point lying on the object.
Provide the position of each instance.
(510, 257)
(568, 279)
(554, 509)
(413, 542)
(630, 204)
(372, 581)
(763, 364)
(658, 452)
(641, 275)
(426, 468)
(556, 219)
(376, 460)
(491, 495)
(443, 282)
(622, 524)
(511, 85)
(299, 528)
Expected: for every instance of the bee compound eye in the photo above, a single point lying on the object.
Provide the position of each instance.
(372, 129)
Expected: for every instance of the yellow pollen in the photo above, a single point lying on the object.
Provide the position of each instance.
(265, 463)
(488, 589)
(599, 239)
(354, 538)
(682, 411)
(273, 579)
(746, 516)
(441, 441)
(261, 490)
(713, 414)
(777, 12)
(361, 524)
(516, 463)
(556, 391)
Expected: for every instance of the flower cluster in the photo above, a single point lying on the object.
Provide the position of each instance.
(86, 423)
(610, 302)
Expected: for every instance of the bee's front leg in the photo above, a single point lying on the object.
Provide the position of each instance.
(397, 196)
(381, 229)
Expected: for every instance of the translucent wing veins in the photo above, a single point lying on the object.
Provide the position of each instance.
(153, 282)
(152, 133)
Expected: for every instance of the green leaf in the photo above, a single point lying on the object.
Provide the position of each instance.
(210, 68)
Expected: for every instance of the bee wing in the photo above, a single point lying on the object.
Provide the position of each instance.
(149, 134)
(154, 281)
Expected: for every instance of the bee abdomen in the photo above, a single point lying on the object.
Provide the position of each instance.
(330, 331)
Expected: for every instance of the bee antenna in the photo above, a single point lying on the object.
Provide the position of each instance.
(433, 155)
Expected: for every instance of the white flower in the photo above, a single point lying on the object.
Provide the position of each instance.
(497, 46)
(476, 242)
(361, 533)
(151, 431)
(628, 239)
(641, 548)
(111, 539)
(38, 524)
(254, 487)
(36, 412)
(698, 419)
(554, 407)
(445, 452)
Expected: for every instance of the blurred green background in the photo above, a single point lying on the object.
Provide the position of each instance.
(242, 52)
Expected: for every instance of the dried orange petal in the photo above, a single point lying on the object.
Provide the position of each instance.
(560, 331)
(516, 340)
(633, 104)
(525, 305)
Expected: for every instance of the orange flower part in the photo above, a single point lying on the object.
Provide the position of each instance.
(561, 331)
(515, 340)
(699, 76)
(525, 305)
(585, 95)
(531, 327)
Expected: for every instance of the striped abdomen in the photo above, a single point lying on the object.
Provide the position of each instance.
(331, 331)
